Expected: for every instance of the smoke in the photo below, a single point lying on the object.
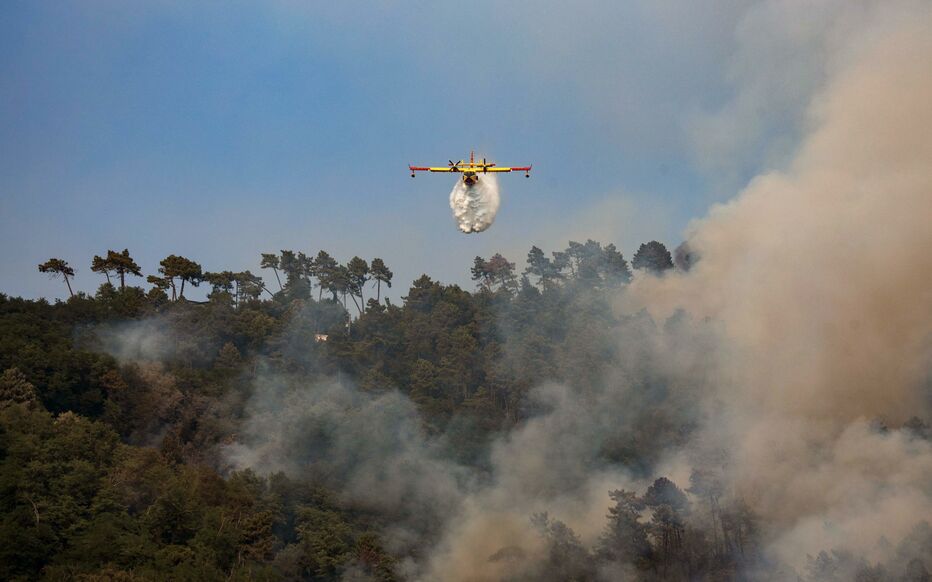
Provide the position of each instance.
(474, 207)
(369, 448)
(553, 463)
(811, 318)
(818, 279)
(468, 523)
(178, 336)
(148, 340)
(820, 276)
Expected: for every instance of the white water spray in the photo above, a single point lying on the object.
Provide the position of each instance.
(474, 207)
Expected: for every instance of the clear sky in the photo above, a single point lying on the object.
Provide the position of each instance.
(225, 129)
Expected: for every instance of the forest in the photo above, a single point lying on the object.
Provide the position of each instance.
(299, 425)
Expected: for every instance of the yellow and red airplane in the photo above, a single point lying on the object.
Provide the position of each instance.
(471, 169)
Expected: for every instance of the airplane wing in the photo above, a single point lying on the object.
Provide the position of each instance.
(429, 169)
(469, 168)
(514, 169)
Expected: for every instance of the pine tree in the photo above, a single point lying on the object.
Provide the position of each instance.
(185, 270)
(653, 257)
(58, 268)
(271, 261)
(380, 274)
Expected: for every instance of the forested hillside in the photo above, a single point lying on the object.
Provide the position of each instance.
(300, 426)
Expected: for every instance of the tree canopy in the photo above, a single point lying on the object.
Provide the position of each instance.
(115, 441)
(653, 257)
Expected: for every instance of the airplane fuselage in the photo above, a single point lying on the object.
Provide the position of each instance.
(471, 169)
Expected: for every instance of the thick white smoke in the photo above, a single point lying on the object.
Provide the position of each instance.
(820, 275)
(816, 280)
(819, 279)
(474, 207)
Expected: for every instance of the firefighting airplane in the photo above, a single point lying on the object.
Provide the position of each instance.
(471, 169)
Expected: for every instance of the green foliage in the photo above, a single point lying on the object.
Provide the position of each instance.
(653, 257)
(15, 389)
(326, 269)
(380, 274)
(625, 537)
(567, 558)
(358, 275)
(50, 474)
(76, 502)
(38, 339)
(120, 264)
(111, 469)
(180, 269)
(271, 261)
(58, 268)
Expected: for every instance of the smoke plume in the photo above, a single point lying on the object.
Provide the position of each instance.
(474, 207)
(368, 447)
(811, 332)
(820, 276)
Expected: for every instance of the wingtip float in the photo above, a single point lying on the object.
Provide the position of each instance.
(471, 169)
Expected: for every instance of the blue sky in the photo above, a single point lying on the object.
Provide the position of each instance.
(225, 129)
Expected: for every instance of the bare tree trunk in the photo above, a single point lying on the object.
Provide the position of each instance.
(280, 286)
(35, 509)
(378, 290)
(353, 297)
(68, 283)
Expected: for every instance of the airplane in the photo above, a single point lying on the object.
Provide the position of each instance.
(470, 169)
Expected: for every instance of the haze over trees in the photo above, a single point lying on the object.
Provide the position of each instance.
(118, 410)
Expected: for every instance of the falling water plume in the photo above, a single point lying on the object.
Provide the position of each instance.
(474, 206)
